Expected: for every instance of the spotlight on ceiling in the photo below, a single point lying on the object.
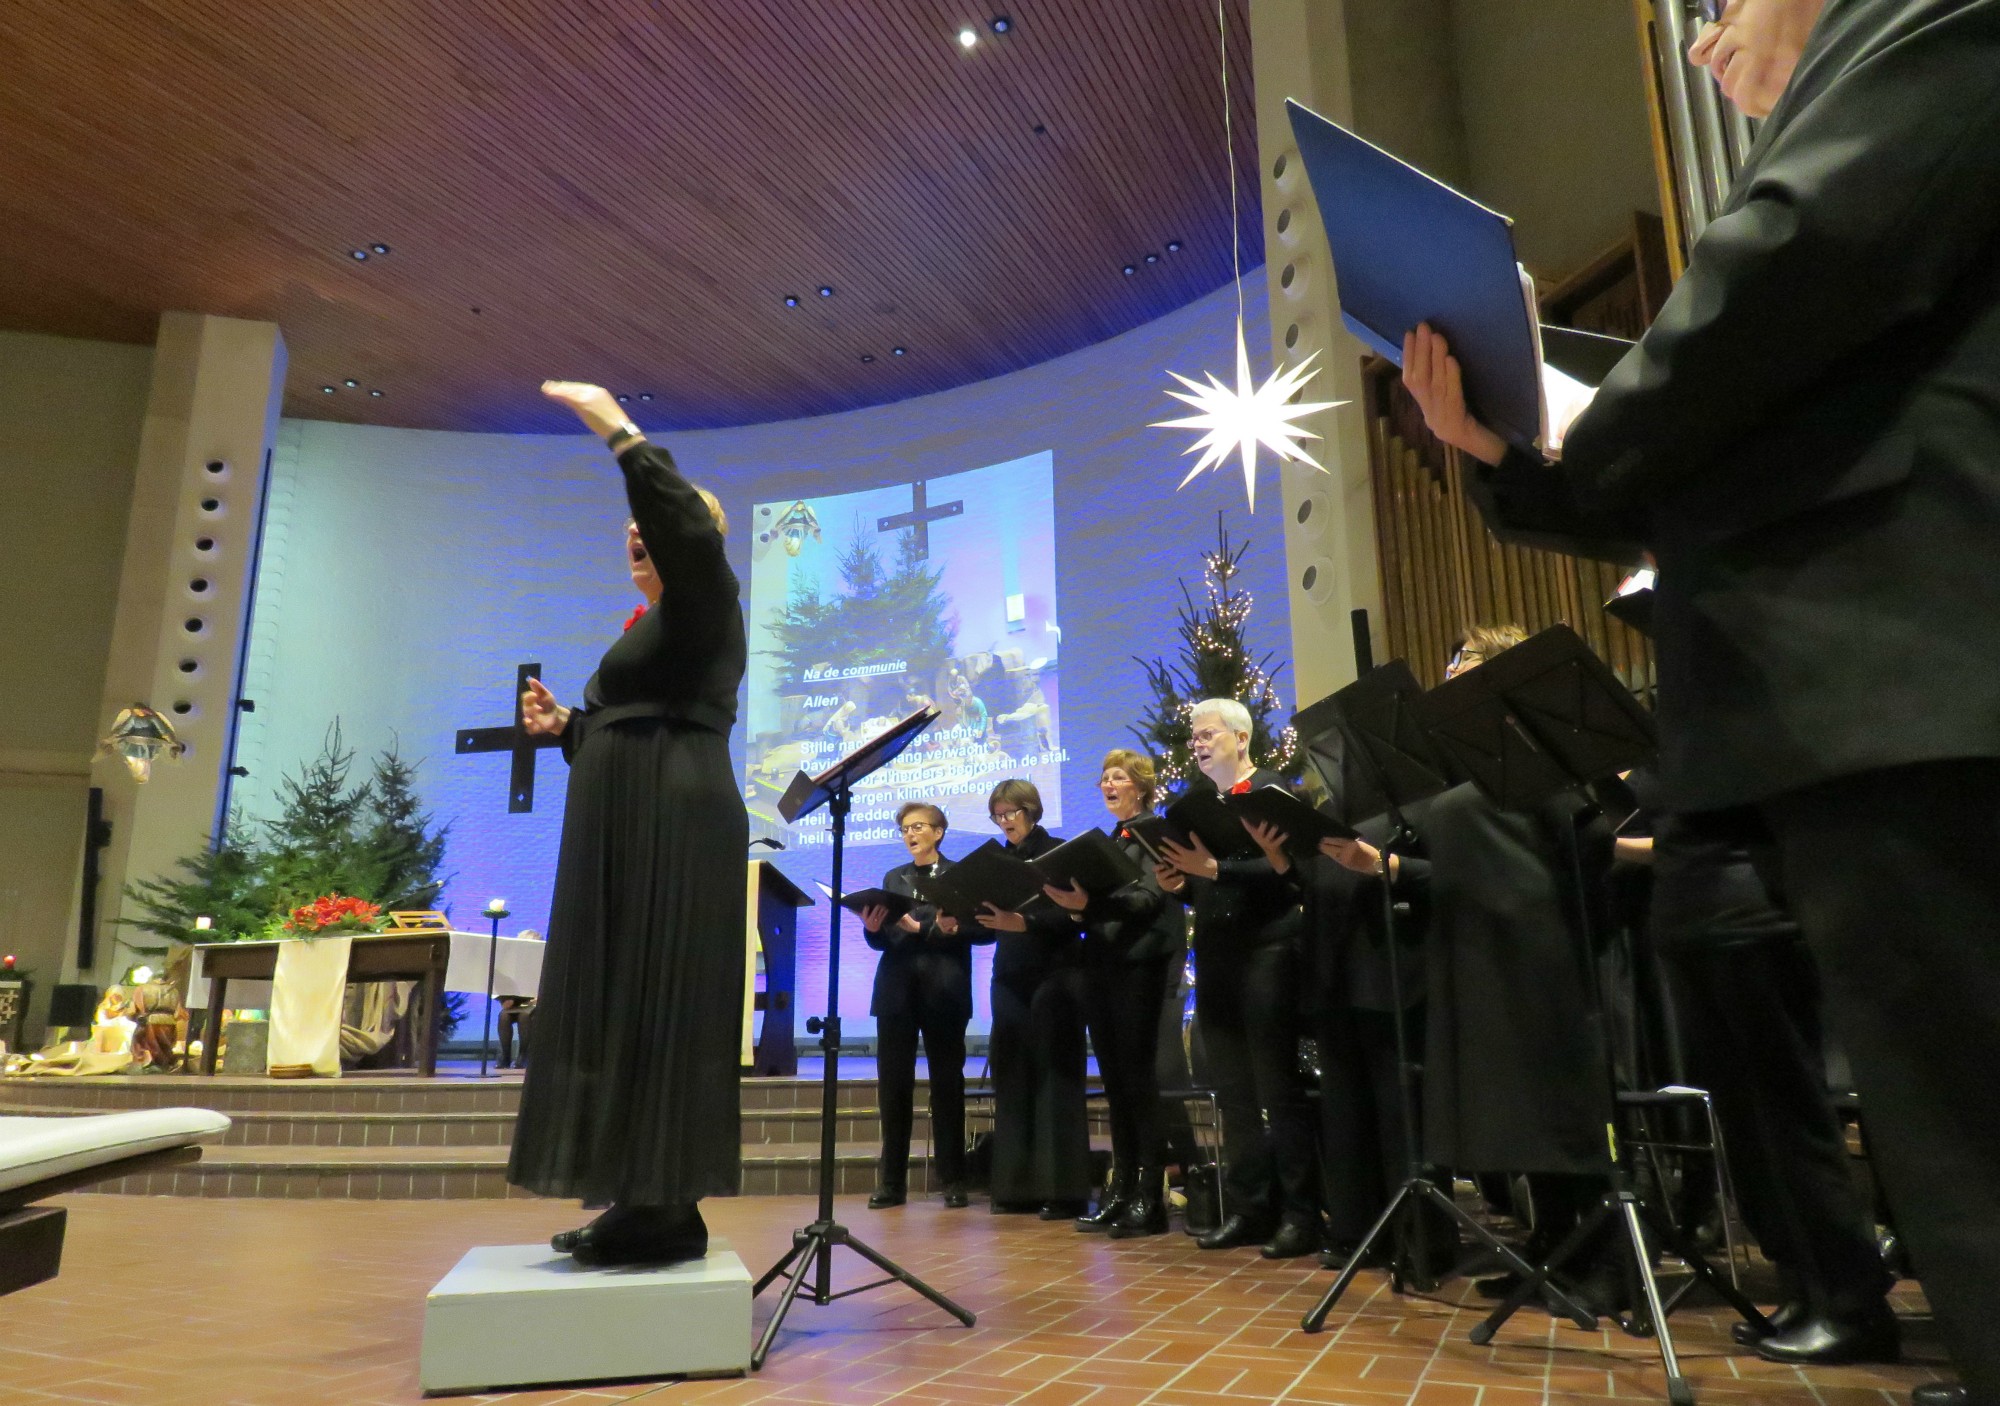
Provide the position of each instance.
(376, 394)
(624, 400)
(898, 351)
(645, 395)
(328, 390)
(967, 38)
(1173, 246)
(379, 248)
(360, 256)
(826, 290)
(791, 300)
(867, 356)
(1001, 24)
(1152, 258)
(1130, 269)
(350, 383)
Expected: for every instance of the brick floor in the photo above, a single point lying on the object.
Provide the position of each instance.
(166, 1301)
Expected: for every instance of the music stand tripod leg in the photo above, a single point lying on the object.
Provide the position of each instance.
(902, 1275)
(809, 1247)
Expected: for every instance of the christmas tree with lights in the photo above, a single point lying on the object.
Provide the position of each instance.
(1215, 661)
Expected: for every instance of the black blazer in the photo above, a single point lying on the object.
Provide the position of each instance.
(1809, 435)
(1346, 934)
(1023, 959)
(1139, 923)
(924, 974)
(1248, 905)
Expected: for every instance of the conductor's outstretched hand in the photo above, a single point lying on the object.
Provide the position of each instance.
(593, 405)
(541, 715)
(1431, 375)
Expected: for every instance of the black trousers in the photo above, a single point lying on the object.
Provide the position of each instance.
(943, 1034)
(1041, 1131)
(1361, 1114)
(1248, 1006)
(1123, 1002)
(1750, 1014)
(1895, 877)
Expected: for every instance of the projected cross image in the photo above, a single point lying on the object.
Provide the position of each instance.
(864, 606)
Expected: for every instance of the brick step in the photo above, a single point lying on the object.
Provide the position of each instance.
(459, 1173)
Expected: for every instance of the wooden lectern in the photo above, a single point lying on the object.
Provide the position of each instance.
(772, 929)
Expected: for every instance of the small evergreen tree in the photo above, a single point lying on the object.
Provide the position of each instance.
(406, 852)
(221, 882)
(1215, 661)
(878, 615)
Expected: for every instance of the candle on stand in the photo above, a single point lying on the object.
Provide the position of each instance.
(203, 924)
(496, 909)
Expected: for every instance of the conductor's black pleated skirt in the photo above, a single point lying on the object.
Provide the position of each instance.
(631, 1093)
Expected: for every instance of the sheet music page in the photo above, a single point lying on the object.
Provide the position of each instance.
(1563, 396)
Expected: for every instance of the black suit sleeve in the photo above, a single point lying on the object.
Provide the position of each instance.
(1874, 196)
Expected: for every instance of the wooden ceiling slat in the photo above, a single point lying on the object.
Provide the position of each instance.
(622, 187)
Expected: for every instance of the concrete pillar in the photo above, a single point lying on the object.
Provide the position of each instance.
(184, 594)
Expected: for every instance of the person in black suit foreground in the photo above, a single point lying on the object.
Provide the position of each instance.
(1041, 1129)
(1809, 440)
(923, 986)
(1247, 976)
(1134, 942)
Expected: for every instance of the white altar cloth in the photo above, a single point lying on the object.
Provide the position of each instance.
(517, 972)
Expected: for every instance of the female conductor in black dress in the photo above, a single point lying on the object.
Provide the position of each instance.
(631, 1099)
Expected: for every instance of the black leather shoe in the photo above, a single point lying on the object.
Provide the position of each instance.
(1940, 1394)
(1826, 1342)
(1336, 1256)
(1107, 1214)
(1145, 1216)
(1785, 1317)
(564, 1241)
(1062, 1210)
(1294, 1239)
(654, 1235)
(884, 1197)
(1236, 1230)
(955, 1198)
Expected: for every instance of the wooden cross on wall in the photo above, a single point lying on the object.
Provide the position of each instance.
(515, 739)
(920, 517)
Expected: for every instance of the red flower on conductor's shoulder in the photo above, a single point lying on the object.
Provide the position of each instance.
(633, 618)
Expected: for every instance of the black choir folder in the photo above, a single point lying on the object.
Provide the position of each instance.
(1407, 248)
(995, 874)
(861, 900)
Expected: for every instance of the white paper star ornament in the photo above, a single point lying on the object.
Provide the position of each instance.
(1240, 419)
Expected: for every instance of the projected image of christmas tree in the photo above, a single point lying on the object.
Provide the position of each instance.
(866, 606)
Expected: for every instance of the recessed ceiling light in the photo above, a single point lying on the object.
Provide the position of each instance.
(898, 351)
(327, 389)
(379, 248)
(1130, 269)
(791, 300)
(624, 400)
(1152, 258)
(967, 38)
(1001, 24)
(645, 395)
(826, 290)
(1173, 246)
(376, 394)
(358, 255)
(868, 356)
(1041, 129)
(350, 383)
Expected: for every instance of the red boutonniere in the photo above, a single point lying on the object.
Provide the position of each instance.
(633, 619)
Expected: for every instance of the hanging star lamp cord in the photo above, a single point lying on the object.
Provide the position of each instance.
(1239, 418)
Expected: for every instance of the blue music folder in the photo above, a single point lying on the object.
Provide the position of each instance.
(1407, 248)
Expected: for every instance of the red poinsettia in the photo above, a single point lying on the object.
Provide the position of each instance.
(334, 912)
(633, 618)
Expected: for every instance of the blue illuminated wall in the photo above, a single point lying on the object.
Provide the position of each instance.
(407, 572)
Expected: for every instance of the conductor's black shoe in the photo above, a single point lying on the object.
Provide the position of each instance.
(1826, 1342)
(1940, 1394)
(1062, 1210)
(884, 1197)
(1294, 1239)
(955, 1198)
(642, 1235)
(1237, 1230)
(1146, 1215)
(1785, 1317)
(1108, 1213)
(564, 1241)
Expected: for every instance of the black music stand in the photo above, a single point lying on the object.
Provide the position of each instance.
(1366, 747)
(1544, 717)
(813, 1245)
